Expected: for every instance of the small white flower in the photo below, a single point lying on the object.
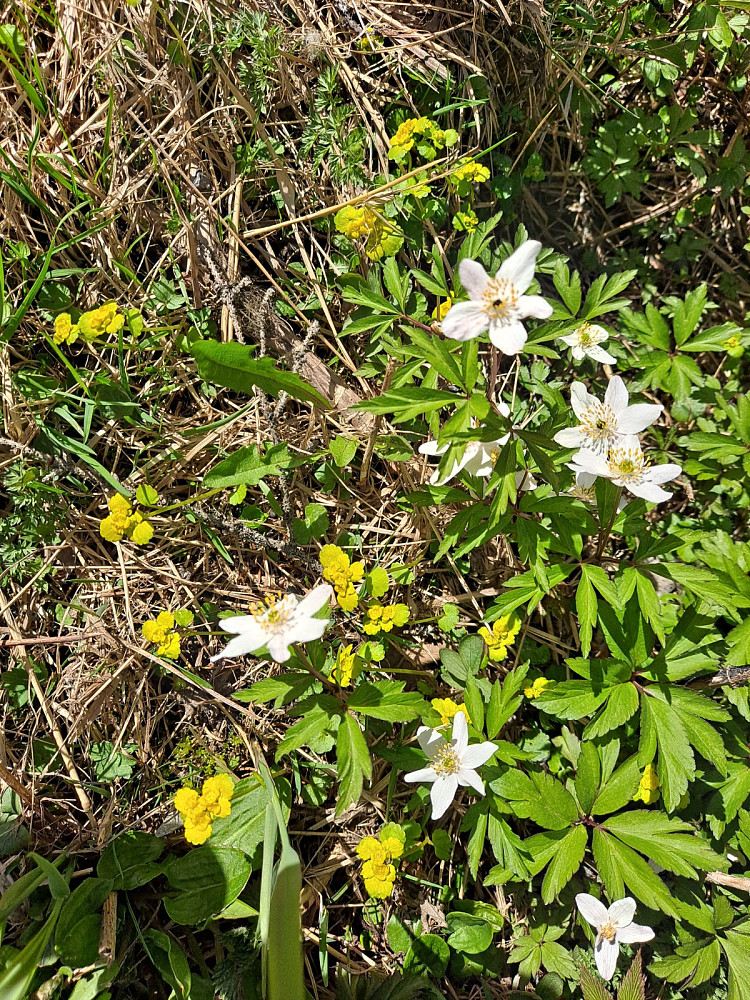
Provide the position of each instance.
(277, 625)
(451, 764)
(614, 927)
(478, 459)
(602, 424)
(498, 304)
(585, 340)
(627, 466)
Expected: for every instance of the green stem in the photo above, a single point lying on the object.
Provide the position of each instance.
(604, 535)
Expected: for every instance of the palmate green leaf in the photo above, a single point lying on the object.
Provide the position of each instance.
(619, 866)
(565, 862)
(697, 962)
(354, 764)
(282, 689)
(571, 699)
(736, 945)
(586, 607)
(408, 402)
(391, 704)
(234, 367)
(537, 796)
(621, 705)
(662, 729)
(505, 700)
(508, 848)
(618, 789)
(568, 286)
(669, 842)
(435, 352)
(312, 726)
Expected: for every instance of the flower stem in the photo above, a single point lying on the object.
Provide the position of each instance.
(604, 535)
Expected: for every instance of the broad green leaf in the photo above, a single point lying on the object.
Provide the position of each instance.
(669, 842)
(631, 869)
(392, 705)
(588, 775)
(207, 879)
(170, 960)
(662, 728)
(248, 466)
(234, 367)
(571, 700)
(468, 934)
(621, 705)
(354, 764)
(79, 926)
(285, 961)
(242, 829)
(565, 862)
(128, 862)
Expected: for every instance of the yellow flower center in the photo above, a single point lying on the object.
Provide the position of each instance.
(608, 931)
(500, 299)
(628, 464)
(274, 612)
(599, 421)
(446, 760)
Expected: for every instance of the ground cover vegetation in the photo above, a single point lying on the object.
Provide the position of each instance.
(374, 478)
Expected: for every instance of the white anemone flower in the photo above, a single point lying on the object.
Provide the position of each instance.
(603, 424)
(585, 340)
(277, 625)
(498, 304)
(478, 459)
(452, 763)
(627, 466)
(614, 926)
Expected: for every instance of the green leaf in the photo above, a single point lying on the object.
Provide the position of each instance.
(565, 862)
(16, 977)
(736, 945)
(588, 776)
(474, 703)
(631, 869)
(242, 829)
(468, 934)
(343, 449)
(571, 699)
(171, 962)
(427, 954)
(505, 700)
(79, 926)
(738, 642)
(233, 366)
(285, 959)
(633, 985)
(128, 862)
(207, 879)
(538, 797)
(621, 705)
(315, 524)
(592, 986)
(696, 964)
(669, 842)
(392, 705)
(408, 402)
(309, 728)
(147, 495)
(619, 788)
(248, 466)
(282, 689)
(662, 727)
(354, 764)
(586, 607)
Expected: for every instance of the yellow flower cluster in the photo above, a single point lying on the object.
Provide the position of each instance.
(465, 221)
(503, 634)
(469, 172)
(535, 689)
(648, 789)
(92, 324)
(359, 222)
(447, 709)
(440, 310)
(199, 811)
(425, 134)
(382, 617)
(343, 574)
(378, 870)
(161, 630)
(346, 667)
(122, 521)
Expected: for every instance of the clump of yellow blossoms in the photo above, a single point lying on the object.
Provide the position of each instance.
(346, 667)
(504, 632)
(360, 222)
(440, 310)
(466, 174)
(422, 133)
(92, 324)
(343, 574)
(383, 617)
(161, 630)
(465, 221)
(378, 856)
(447, 709)
(648, 789)
(199, 811)
(535, 689)
(123, 522)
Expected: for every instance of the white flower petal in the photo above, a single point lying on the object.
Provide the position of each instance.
(460, 736)
(525, 482)
(637, 418)
(580, 399)
(470, 779)
(663, 473)
(464, 321)
(586, 460)
(241, 645)
(646, 491)
(634, 934)
(599, 354)
(504, 410)
(278, 647)
(430, 740)
(305, 631)
(578, 354)
(591, 909)
(423, 775)
(519, 267)
(432, 448)
(585, 480)
(508, 337)
(571, 437)
(606, 954)
(241, 624)
(443, 793)
(570, 339)
(477, 754)
(622, 911)
(534, 306)
(616, 395)
(473, 277)
(317, 598)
